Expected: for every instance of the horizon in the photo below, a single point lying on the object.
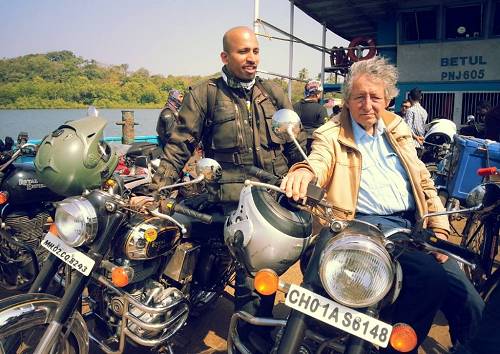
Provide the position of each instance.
(109, 35)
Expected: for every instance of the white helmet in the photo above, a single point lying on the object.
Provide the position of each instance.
(263, 233)
(440, 131)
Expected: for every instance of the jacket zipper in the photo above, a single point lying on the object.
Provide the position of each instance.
(348, 212)
(239, 129)
(345, 211)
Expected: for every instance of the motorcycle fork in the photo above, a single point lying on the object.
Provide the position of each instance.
(74, 290)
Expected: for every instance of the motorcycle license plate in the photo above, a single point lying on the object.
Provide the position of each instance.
(69, 255)
(339, 316)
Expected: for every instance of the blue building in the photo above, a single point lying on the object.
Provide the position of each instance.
(449, 49)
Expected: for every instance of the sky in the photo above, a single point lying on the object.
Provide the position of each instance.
(169, 37)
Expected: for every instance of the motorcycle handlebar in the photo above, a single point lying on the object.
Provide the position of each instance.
(263, 175)
(205, 218)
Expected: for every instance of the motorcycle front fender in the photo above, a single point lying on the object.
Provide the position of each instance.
(21, 312)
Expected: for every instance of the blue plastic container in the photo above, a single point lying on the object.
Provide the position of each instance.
(469, 155)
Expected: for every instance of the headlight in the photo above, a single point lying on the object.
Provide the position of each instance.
(475, 196)
(356, 271)
(76, 221)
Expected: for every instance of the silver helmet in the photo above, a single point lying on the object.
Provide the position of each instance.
(264, 233)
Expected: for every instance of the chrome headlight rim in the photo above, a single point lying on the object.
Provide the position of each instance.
(370, 246)
(80, 212)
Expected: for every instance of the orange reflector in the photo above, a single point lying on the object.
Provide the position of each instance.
(266, 282)
(4, 197)
(403, 338)
(53, 229)
(120, 277)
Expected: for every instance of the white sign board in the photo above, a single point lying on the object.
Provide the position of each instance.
(457, 61)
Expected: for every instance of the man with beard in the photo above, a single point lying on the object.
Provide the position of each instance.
(231, 116)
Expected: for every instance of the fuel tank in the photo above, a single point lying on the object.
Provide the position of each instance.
(23, 186)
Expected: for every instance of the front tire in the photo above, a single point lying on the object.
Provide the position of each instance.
(24, 318)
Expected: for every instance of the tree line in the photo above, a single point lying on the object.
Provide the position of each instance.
(62, 79)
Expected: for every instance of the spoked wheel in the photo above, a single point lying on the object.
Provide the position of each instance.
(473, 239)
(24, 319)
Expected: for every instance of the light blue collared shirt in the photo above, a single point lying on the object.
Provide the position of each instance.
(385, 187)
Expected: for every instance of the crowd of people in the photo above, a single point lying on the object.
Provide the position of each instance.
(362, 155)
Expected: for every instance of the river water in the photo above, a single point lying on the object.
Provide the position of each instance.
(39, 122)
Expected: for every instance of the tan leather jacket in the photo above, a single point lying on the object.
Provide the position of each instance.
(337, 163)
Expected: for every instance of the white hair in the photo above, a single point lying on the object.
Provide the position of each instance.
(377, 68)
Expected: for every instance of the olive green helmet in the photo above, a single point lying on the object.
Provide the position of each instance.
(72, 158)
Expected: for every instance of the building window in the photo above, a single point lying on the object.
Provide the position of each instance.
(418, 25)
(496, 20)
(464, 21)
(438, 105)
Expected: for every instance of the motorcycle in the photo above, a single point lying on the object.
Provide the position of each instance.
(26, 211)
(472, 127)
(128, 276)
(351, 274)
(438, 141)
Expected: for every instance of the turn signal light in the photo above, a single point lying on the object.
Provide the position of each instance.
(266, 282)
(53, 229)
(403, 338)
(110, 183)
(121, 276)
(4, 197)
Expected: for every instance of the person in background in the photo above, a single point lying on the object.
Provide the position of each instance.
(169, 115)
(366, 161)
(404, 108)
(476, 127)
(492, 124)
(329, 103)
(311, 112)
(416, 117)
(9, 143)
(336, 110)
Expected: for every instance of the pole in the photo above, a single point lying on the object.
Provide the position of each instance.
(256, 5)
(290, 55)
(323, 44)
(127, 124)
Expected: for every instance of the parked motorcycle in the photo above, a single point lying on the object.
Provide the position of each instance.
(351, 275)
(472, 127)
(130, 275)
(438, 140)
(26, 210)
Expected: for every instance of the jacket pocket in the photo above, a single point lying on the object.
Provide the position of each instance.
(226, 133)
(268, 109)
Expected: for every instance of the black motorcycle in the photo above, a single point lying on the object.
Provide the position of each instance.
(26, 211)
(351, 271)
(351, 274)
(130, 274)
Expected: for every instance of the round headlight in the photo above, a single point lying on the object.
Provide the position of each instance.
(356, 271)
(475, 196)
(76, 221)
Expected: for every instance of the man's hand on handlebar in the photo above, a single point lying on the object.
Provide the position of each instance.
(295, 183)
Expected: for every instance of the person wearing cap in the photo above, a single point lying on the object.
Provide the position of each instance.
(169, 115)
(311, 112)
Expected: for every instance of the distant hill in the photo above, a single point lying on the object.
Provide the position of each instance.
(63, 80)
